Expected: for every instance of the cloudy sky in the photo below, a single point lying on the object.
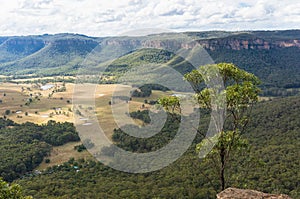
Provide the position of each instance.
(114, 17)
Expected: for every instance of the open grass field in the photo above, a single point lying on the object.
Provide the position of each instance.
(104, 111)
(54, 103)
(29, 103)
(61, 154)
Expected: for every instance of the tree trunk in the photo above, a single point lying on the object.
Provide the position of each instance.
(222, 175)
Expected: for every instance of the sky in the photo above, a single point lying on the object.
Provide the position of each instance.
(116, 17)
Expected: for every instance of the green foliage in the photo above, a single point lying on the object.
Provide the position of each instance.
(273, 133)
(143, 91)
(7, 112)
(146, 90)
(142, 145)
(13, 191)
(230, 140)
(170, 103)
(139, 57)
(241, 91)
(141, 115)
(79, 148)
(25, 145)
(277, 68)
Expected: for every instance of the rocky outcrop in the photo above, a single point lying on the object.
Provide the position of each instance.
(22, 45)
(234, 193)
(133, 43)
(230, 43)
(239, 44)
(73, 42)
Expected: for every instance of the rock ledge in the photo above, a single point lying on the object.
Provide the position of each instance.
(234, 193)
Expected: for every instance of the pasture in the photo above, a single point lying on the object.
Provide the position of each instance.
(27, 102)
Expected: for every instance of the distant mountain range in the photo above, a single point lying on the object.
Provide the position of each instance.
(271, 55)
(43, 54)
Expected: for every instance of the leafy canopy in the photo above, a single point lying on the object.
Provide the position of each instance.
(240, 90)
(11, 191)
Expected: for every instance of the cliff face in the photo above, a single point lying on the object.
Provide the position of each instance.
(239, 44)
(72, 42)
(235, 41)
(230, 43)
(22, 45)
(133, 43)
(31, 51)
(233, 193)
(30, 44)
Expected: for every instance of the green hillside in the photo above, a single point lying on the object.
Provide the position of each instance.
(271, 166)
(51, 55)
(16, 48)
(143, 57)
(278, 69)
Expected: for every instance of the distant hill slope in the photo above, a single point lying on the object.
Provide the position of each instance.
(53, 55)
(271, 55)
(18, 47)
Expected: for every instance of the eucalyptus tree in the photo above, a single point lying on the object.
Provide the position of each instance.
(240, 91)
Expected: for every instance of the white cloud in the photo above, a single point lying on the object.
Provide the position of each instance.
(102, 18)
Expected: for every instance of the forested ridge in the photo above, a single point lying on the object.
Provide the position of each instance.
(278, 68)
(272, 165)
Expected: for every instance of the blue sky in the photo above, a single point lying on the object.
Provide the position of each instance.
(114, 17)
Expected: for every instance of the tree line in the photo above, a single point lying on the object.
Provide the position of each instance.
(24, 146)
